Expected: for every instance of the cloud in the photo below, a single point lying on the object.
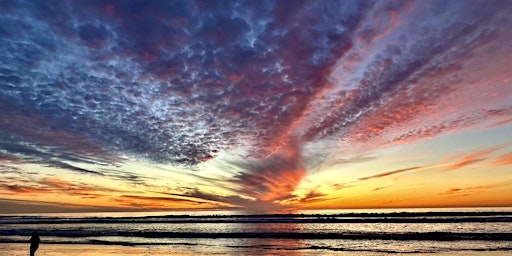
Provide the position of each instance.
(123, 175)
(272, 178)
(468, 191)
(6, 169)
(178, 85)
(66, 166)
(18, 151)
(20, 189)
(312, 196)
(153, 202)
(10, 206)
(473, 158)
(32, 133)
(450, 163)
(385, 174)
(339, 186)
(182, 82)
(122, 86)
(52, 185)
(503, 160)
(386, 96)
(233, 201)
(455, 192)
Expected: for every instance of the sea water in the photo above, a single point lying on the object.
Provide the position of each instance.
(389, 231)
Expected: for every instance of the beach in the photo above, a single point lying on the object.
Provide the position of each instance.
(415, 232)
(16, 249)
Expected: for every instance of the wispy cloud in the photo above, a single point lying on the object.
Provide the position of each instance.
(53, 185)
(503, 160)
(473, 158)
(313, 196)
(197, 195)
(10, 206)
(273, 178)
(385, 174)
(155, 202)
(468, 191)
(21, 189)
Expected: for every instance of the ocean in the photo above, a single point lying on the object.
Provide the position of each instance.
(348, 232)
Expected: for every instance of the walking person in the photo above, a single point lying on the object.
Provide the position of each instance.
(34, 243)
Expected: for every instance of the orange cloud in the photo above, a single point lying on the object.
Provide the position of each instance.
(458, 192)
(313, 196)
(273, 178)
(154, 202)
(503, 160)
(53, 185)
(21, 189)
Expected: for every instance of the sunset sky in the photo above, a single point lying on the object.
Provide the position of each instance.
(254, 105)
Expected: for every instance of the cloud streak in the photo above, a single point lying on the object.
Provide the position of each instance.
(473, 158)
(53, 185)
(503, 160)
(385, 174)
(468, 191)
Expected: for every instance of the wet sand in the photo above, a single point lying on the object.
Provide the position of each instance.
(14, 249)
(85, 250)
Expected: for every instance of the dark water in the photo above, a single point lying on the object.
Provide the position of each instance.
(419, 231)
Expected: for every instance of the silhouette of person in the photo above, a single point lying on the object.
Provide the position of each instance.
(34, 243)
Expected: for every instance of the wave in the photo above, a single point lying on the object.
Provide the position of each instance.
(404, 217)
(434, 236)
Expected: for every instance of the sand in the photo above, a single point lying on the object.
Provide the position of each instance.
(12, 249)
(83, 250)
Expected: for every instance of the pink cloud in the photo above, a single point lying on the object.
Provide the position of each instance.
(472, 158)
(503, 160)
